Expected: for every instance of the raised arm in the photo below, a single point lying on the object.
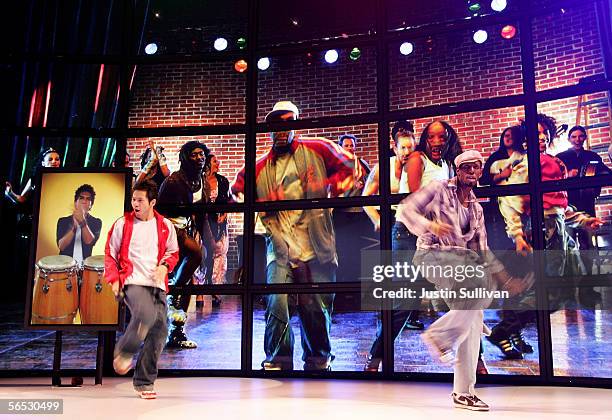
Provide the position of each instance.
(372, 187)
(415, 171)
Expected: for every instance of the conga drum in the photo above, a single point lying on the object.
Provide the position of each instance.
(56, 291)
(98, 304)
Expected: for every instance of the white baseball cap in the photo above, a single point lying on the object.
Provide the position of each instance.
(284, 107)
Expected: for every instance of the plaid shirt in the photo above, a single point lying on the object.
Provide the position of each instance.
(439, 202)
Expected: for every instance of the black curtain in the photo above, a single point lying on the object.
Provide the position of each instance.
(65, 93)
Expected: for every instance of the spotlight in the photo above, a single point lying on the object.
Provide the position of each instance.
(157, 15)
(220, 44)
(508, 32)
(263, 63)
(355, 54)
(241, 42)
(240, 66)
(406, 48)
(331, 56)
(480, 36)
(498, 5)
(151, 48)
(473, 6)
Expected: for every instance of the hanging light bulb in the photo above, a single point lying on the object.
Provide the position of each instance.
(240, 66)
(498, 5)
(406, 48)
(480, 36)
(331, 56)
(508, 32)
(220, 44)
(474, 6)
(263, 63)
(151, 48)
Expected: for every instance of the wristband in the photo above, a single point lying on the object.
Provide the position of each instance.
(165, 264)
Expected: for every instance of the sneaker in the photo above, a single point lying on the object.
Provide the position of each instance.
(469, 402)
(414, 324)
(445, 355)
(506, 347)
(372, 364)
(319, 366)
(179, 340)
(147, 395)
(275, 366)
(520, 344)
(122, 364)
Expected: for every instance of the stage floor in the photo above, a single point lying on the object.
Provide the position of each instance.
(240, 398)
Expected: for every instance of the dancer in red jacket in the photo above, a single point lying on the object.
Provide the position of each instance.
(140, 271)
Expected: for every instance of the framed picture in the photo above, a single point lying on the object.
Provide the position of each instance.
(73, 213)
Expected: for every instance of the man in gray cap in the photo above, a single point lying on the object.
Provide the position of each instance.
(300, 243)
(450, 224)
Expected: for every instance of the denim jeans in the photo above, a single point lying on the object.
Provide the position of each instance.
(401, 240)
(148, 323)
(314, 311)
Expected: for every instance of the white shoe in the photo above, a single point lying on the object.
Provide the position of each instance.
(446, 356)
(147, 395)
(469, 402)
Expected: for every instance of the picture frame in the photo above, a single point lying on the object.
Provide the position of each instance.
(66, 290)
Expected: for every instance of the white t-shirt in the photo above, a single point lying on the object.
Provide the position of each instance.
(77, 251)
(143, 249)
(464, 217)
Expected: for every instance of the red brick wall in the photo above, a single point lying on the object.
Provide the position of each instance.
(187, 94)
(320, 89)
(567, 47)
(453, 68)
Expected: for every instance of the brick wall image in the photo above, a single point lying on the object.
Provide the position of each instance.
(442, 69)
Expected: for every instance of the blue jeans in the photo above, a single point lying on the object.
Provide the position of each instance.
(148, 323)
(314, 311)
(401, 240)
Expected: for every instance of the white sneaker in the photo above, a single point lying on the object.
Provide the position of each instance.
(147, 395)
(469, 402)
(446, 356)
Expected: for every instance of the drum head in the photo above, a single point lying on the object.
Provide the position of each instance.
(56, 263)
(95, 262)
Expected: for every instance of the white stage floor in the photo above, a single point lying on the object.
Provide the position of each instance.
(293, 399)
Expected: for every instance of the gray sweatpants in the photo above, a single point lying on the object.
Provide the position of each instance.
(461, 327)
(148, 324)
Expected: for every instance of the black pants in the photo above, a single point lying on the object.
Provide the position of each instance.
(190, 257)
